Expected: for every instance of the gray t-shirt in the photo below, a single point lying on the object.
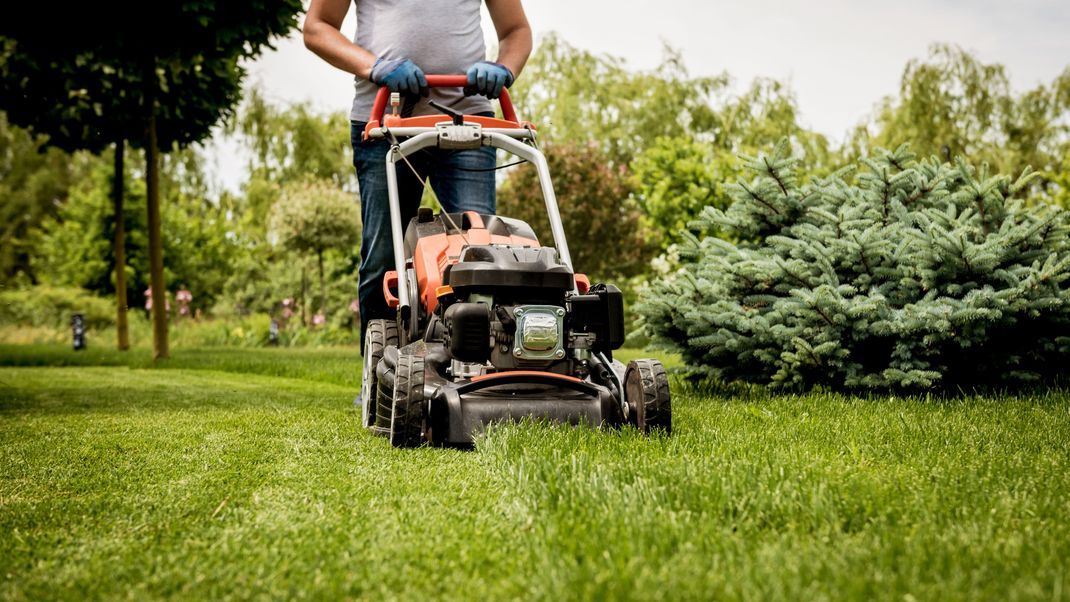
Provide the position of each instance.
(441, 36)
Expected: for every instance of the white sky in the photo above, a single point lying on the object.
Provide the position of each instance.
(839, 56)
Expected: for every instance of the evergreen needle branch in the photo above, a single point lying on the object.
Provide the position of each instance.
(754, 195)
(775, 174)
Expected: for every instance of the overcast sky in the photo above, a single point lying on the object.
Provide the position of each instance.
(839, 56)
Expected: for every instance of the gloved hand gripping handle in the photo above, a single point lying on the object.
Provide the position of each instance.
(442, 81)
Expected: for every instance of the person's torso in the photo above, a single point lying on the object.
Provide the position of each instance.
(440, 36)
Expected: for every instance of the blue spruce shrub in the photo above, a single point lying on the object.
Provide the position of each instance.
(896, 274)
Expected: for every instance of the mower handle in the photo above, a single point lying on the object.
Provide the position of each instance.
(442, 81)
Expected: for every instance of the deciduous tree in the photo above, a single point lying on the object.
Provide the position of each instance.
(602, 222)
(88, 78)
(315, 217)
(952, 105)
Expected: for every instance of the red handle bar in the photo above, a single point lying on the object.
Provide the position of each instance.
(442, 81)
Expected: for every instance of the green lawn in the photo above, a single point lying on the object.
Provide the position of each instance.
(238, 474)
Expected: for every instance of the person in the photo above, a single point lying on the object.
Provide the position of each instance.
(397, 43)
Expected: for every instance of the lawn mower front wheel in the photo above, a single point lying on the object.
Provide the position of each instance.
(410, 407)
(646, 390)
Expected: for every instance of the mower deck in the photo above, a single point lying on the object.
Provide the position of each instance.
(459, 410)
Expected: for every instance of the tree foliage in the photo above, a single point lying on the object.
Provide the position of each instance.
(88, 99)
(291, 142)
(674, 180)
(1057, 192)
(288, 143)
(678, 133)
(601, 221)
(913, 274)
(34, 185)
(74, 250)
(952, 105)
(314, 217)
(676, 177)
(580, 97)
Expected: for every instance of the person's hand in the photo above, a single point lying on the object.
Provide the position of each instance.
(400, 75)
(488, 79)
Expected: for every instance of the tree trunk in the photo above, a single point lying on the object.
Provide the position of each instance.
(323, 285)
(304, 287)
(156, 284)
(121, 325)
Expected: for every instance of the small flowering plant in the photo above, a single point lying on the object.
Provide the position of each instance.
(148, 301)
(184, 298)
(286, 312)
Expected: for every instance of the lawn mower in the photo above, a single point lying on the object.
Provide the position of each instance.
(491, 326)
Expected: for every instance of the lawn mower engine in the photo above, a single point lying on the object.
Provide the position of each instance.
(492, 326)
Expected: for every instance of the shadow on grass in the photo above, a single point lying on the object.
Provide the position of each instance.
(339, 366)
(84, 390)
(685, 383)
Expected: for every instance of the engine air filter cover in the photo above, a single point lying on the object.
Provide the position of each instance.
(539, 332)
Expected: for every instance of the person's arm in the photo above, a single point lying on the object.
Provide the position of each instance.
(323, 36)
(514, 33)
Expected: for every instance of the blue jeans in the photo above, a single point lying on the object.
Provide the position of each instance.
(456, 188)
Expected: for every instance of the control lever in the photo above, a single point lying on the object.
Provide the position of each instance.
(458, 119)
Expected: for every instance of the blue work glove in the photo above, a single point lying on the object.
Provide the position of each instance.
(488, 79)
(400, 75)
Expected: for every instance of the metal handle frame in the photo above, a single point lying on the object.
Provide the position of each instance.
(506, 140)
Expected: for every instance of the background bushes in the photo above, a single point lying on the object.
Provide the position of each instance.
(47, 306)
